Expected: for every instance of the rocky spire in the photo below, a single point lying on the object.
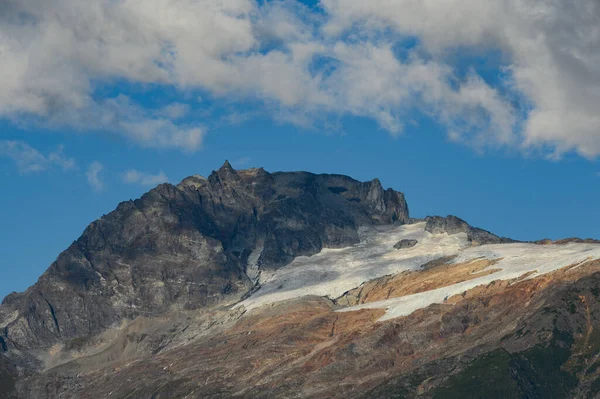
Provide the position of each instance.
(375, 196)
(226, 172)
(226, 167)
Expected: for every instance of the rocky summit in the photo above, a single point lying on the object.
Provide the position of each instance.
(253, 284)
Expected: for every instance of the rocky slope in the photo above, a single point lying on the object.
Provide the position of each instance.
(254, 284)
(535, 338)
(198, 244)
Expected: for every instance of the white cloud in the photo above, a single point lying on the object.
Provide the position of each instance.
(53, 52)
(93, 176)
(241, 162)
(552, 50)
(122, 115)
(133, 176)
(58, 157)
(306, 67)
(175, 111)
(30, 160)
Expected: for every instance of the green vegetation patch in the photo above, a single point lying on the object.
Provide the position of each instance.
(535, 373)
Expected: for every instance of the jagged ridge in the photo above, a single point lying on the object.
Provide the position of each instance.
(187, 246)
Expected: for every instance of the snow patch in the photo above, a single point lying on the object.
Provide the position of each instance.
(252, 269)
(514, 260)
(332, 272)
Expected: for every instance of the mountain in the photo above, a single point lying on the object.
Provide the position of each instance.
(290, 284)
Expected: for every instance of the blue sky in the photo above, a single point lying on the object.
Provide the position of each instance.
(455, 120)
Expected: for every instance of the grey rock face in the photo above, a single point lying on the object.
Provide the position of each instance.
(450, 224)
(8, 377)
(405, 244)
(454, 225)
(187, 246)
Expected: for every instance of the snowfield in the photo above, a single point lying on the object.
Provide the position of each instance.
(515, 261)
(332, 272)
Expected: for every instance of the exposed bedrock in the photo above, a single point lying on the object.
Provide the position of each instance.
(406, 243)
(454, 225)
(187, 246)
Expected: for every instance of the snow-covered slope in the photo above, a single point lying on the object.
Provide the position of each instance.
(332, 272)
(513, 260)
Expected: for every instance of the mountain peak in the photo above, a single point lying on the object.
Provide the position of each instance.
(226, 167)
(217, 233)
(226, 172)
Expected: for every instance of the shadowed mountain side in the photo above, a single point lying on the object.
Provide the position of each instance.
(8, 378)
(188, 246)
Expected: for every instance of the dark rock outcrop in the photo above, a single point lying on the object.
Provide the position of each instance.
(454, 225)
(577, 240)
(187, 247)
(8, 378)
(405, 244)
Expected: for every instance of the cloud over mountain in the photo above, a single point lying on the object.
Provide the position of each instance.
(133, 176)
(377, 59)
(30, 160)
